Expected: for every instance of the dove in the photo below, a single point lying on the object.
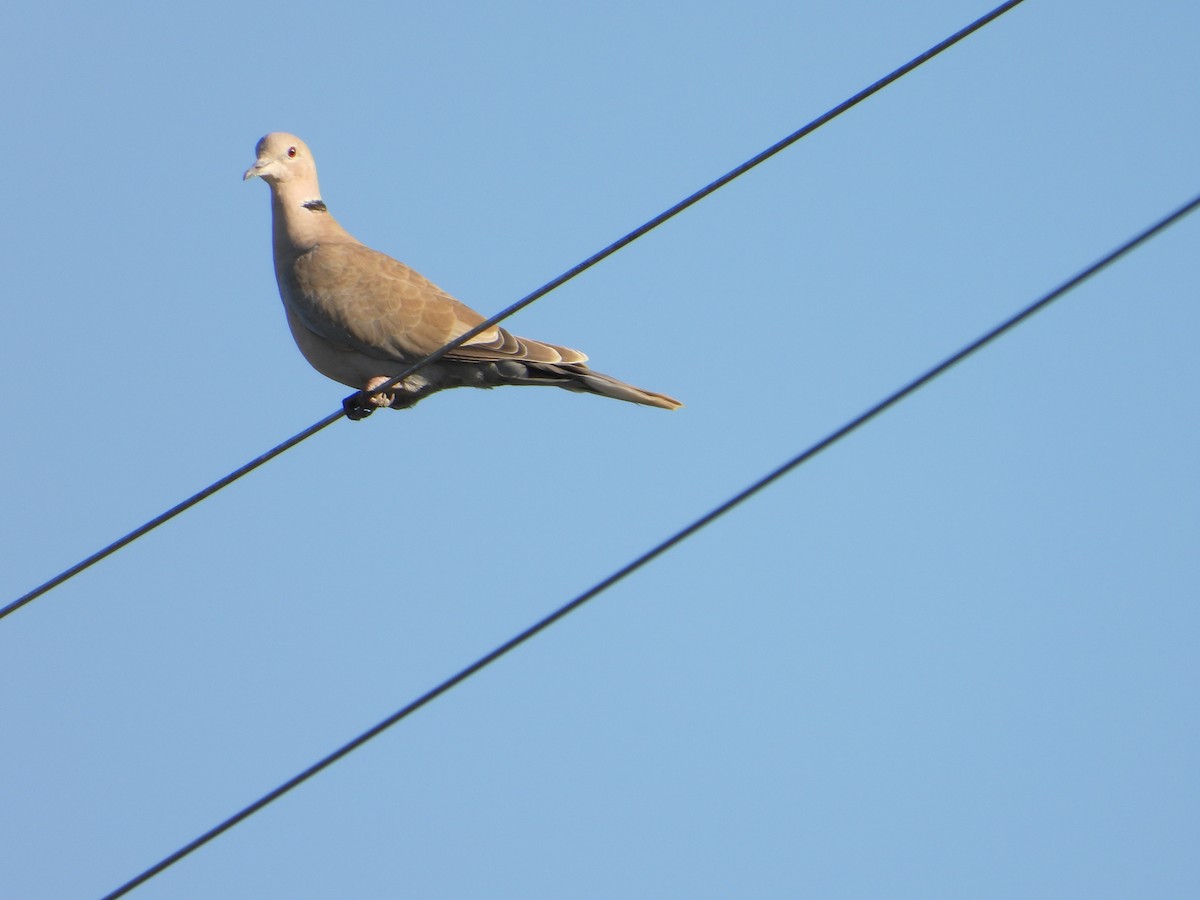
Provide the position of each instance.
(361, 317)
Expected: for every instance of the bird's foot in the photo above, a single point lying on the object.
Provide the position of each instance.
(385, 399)
(361, 404)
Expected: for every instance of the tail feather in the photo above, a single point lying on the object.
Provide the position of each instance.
(569, 376)
(586, 380)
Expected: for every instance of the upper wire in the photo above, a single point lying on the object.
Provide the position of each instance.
(519, 305)
(799, 459)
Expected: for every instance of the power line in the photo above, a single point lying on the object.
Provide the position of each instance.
(169, 514)
(357, 399)
(679, 536)
(708, 189)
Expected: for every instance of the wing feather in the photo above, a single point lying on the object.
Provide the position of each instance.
(359, 298)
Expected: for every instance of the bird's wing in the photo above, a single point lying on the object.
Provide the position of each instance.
(360, 298)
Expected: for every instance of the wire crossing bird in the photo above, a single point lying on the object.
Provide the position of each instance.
(361, 317)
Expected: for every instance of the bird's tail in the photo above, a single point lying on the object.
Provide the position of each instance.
(569, 376)
(587, 381)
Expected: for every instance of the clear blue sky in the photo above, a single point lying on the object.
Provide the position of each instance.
(953, 657)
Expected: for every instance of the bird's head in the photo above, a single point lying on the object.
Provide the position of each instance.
(282, 157)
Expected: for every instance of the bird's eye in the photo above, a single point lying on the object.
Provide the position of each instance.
(291, 152)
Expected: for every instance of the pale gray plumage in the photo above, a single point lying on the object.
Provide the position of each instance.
(360, 317)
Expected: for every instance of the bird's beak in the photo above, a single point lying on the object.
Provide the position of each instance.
(255, 170)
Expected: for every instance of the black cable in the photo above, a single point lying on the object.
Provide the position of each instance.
(520, 304)
(169, 514)
(703, 192)
(832, 438)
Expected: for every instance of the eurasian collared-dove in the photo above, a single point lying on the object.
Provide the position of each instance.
(360, 317)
